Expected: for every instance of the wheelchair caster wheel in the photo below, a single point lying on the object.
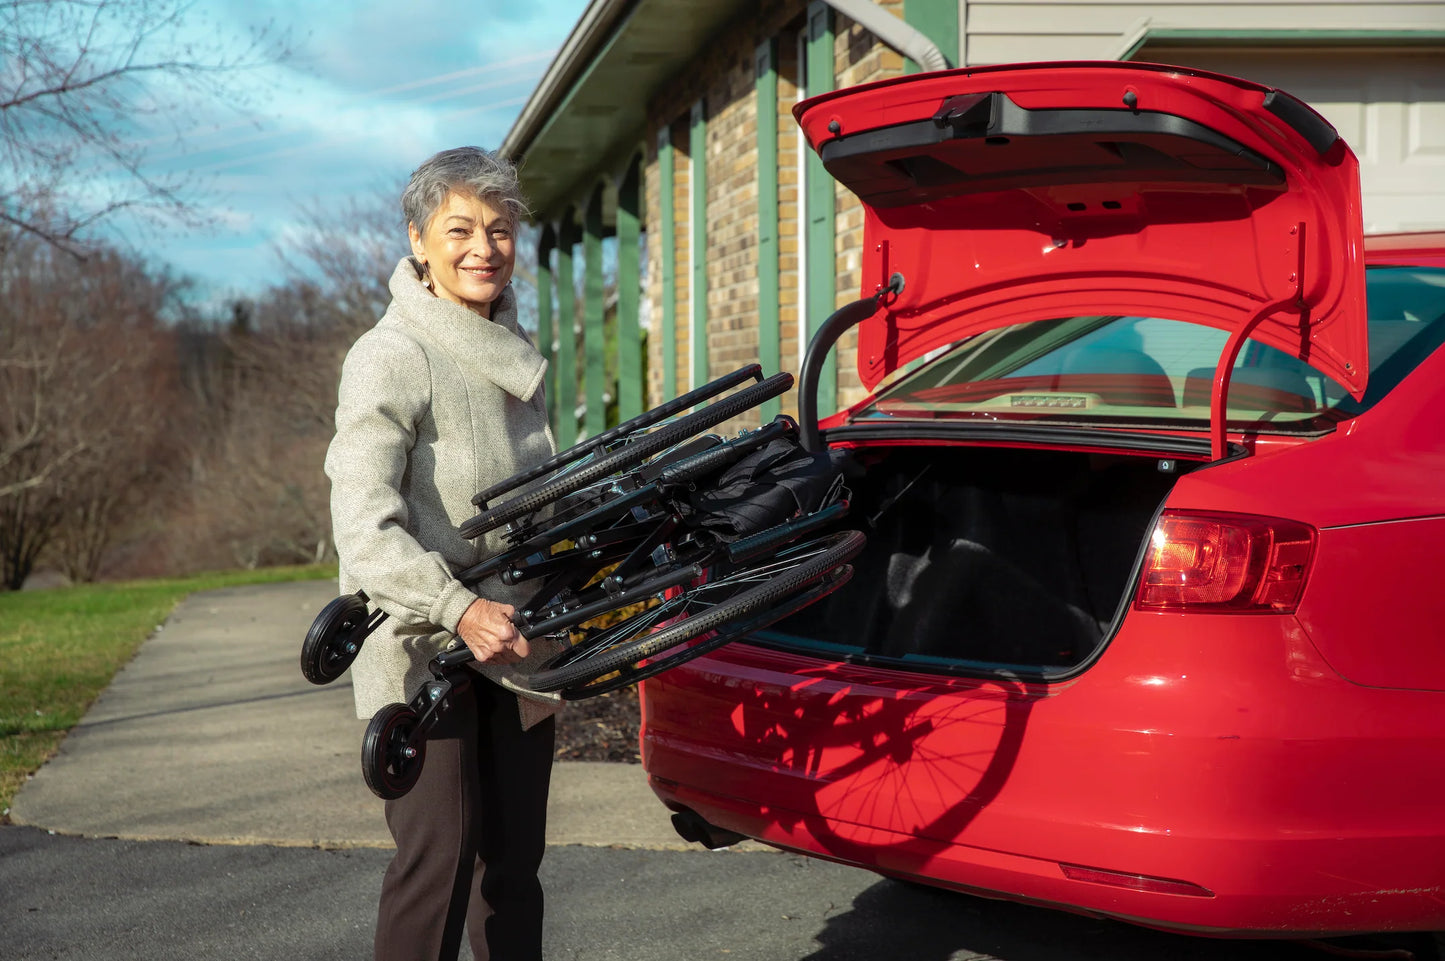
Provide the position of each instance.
(334, 639)
(391, 766)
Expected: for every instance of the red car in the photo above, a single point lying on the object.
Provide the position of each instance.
(1149, 624)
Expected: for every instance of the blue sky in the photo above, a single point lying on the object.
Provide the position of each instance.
(369, 90)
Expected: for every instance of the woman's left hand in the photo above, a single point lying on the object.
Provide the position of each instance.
(487, 630)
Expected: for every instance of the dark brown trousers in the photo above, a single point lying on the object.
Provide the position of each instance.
(470, 838)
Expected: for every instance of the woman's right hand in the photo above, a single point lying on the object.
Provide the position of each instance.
(487, 630)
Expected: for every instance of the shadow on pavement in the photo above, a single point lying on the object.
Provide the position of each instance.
(900, 920)
(111, 900)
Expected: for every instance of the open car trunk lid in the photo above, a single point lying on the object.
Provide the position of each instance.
(1024, 193)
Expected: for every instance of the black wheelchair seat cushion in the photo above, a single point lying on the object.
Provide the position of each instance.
(764, 488)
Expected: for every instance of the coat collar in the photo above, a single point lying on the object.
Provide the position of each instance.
(496, 347)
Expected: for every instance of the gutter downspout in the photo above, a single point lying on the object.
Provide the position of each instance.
(894, 32)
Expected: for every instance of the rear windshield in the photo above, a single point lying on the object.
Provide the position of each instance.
(1158, 372)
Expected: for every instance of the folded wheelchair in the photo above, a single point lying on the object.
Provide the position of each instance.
(648, 545)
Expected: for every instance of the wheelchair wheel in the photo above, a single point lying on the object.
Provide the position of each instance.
(628, 456)
(615, 434)
(391, 767)
(334, 639)
(746, 591)
(633, 674)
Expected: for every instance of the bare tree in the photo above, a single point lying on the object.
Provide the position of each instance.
(263, 381)
(266, 493)
(130, 425)
(346, 257)
(28, 376)
(84, 401)
(85, 86)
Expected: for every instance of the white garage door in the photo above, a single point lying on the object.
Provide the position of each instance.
(1388, 105)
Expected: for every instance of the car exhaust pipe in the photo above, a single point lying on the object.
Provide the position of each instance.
(693, 828)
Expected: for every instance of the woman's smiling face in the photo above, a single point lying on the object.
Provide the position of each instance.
(469, 249)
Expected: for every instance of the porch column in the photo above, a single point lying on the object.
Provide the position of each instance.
(821, 270)
(667, 242)
(593, 346)
(546, 340)
(765, 87)
(566, 424)
(697, 250)
(629, 293)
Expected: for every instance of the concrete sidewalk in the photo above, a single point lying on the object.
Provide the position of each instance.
(212, 735)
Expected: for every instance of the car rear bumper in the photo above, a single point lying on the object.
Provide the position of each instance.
(1246, 908)
(1248, 791)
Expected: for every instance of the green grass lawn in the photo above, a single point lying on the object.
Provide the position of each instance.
(59, 648)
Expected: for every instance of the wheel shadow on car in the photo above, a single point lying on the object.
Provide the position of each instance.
(844, 755)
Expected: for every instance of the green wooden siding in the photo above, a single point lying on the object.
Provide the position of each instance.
(666, 183)
(629, 293)
(822, 268)
(769, 339)
(697, 217)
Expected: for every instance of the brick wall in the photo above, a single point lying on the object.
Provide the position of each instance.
(723, 77)
(732, 199)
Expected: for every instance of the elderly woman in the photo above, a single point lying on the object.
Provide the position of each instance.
(442, 398)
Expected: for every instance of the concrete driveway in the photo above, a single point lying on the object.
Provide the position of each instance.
(210, 804)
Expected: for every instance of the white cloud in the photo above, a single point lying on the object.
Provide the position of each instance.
(370, 90)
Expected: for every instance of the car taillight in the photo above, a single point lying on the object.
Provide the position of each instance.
(1225, 563)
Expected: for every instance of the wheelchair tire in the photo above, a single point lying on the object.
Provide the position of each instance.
(388, 771)
(628, 456)
(627, 676)
(747, 591)
(331, 643)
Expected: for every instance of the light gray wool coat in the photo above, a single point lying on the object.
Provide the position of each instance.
(436, 403)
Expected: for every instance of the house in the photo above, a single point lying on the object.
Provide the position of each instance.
(660, 142)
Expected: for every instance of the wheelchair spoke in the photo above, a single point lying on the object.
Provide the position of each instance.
(602, 639)
(692, 601)
(700, 615)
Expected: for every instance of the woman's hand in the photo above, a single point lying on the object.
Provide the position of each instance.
(487, 630)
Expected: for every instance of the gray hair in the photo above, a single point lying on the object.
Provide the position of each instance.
(472, 170)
